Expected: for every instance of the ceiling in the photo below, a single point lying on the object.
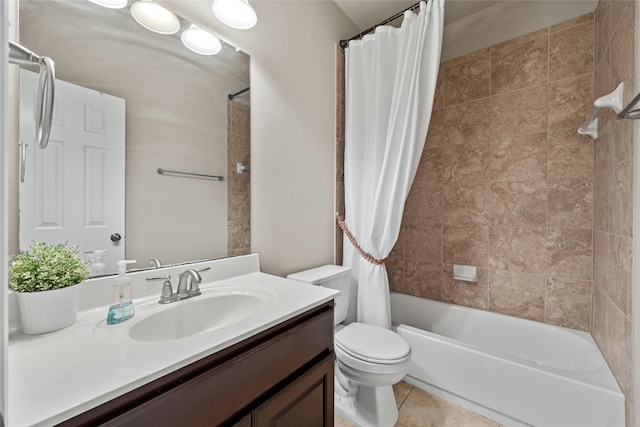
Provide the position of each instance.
(471, 25)
(367, 13)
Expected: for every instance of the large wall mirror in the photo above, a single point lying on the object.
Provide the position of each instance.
(176, 115)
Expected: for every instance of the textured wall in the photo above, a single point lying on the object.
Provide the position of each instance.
(505, 183)
(292, 52)
(238, 185)
(613, 216)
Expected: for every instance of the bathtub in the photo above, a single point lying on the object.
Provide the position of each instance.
(514, 371)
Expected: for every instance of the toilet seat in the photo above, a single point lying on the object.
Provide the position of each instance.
(372, 343)
(372, 349)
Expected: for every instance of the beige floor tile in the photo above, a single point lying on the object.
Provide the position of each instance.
(401, 391)
(421, 409)
(418, 408)
(340, 421)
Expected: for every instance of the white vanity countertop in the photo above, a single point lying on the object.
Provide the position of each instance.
(56, 376)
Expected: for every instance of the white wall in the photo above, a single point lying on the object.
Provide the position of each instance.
(3, 210)
(293, 70)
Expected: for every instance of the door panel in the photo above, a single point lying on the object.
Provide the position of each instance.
(75, 187)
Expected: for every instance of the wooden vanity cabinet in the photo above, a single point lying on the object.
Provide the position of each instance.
(280, 377)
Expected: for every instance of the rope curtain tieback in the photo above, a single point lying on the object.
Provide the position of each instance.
(354, 242)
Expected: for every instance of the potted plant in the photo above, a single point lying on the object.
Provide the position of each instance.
(44, 279)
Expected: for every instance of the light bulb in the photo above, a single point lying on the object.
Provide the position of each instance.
(235, 13)
(200, 41)
(111, 4)
(154, 17)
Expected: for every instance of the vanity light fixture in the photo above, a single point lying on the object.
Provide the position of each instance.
(159, 19)
(154, 17)
(200, 41)
(111, 4)
(235, 13)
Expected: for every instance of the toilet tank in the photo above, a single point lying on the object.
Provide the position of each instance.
(333, 277)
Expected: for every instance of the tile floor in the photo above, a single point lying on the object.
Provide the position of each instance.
(418, 408)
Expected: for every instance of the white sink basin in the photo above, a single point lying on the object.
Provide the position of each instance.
(201, 314)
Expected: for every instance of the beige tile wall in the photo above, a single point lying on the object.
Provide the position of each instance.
(505, 183)
(612, 290)
(238, 185)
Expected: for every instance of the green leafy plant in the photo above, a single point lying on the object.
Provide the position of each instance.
(45, 267)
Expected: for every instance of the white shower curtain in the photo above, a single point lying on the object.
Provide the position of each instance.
(390, 85)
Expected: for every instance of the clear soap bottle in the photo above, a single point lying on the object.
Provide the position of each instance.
(98, 266)
(121, 307)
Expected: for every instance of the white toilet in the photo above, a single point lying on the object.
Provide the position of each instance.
(369, 359)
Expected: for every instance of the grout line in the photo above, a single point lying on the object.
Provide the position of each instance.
(577, 24)
(405, 398)
(491, 72)
(546, 264)
(490, 183)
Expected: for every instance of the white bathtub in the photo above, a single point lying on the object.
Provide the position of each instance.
(514, 371)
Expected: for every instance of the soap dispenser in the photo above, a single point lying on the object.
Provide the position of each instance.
(121, 308)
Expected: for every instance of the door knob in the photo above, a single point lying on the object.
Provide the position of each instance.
(115, 237)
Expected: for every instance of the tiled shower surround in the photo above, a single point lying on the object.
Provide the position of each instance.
(506, 184)
(238, 185)
(613, 196)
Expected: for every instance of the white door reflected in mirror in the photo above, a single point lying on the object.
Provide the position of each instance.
(87, 202)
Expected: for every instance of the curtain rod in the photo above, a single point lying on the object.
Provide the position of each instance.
(233, 95)
(345, 43)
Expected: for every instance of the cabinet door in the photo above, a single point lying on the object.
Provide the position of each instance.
(306, 402)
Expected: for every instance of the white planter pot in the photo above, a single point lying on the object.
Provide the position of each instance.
(48, 311)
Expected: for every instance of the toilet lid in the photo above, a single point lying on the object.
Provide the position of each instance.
(372, 343)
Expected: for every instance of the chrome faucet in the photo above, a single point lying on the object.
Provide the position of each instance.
(189, 284)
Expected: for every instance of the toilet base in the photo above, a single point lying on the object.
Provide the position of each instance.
(369, 407)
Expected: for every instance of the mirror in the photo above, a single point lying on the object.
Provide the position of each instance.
(177, 117)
